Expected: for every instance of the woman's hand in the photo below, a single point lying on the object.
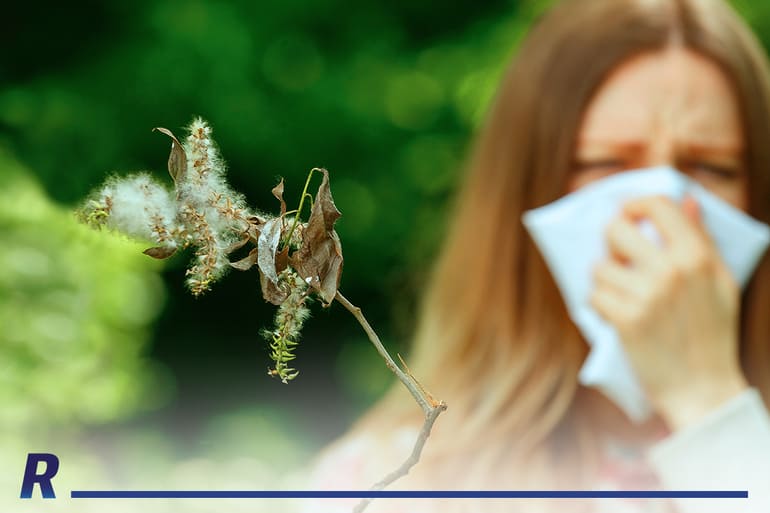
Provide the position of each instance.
(675, 307)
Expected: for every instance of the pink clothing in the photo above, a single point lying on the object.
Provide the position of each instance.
(727, 450)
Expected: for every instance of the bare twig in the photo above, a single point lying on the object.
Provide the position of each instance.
(430, 407)
(427, 394)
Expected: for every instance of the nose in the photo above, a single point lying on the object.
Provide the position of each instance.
(661, 150)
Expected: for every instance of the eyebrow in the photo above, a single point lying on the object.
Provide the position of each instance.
(719, 149)
(691, 147)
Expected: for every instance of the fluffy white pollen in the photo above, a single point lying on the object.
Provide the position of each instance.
(140, 207)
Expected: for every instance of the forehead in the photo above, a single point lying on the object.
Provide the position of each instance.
(676, 92)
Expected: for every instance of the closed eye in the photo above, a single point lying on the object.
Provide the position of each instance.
(711, 170)
(600, 165)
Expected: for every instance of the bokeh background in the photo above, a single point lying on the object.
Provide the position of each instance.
(105, 359)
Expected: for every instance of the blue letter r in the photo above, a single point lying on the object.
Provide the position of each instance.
(44, 480)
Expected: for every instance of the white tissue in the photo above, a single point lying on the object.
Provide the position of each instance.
(570, 234)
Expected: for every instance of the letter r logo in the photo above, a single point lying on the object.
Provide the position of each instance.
(44, 480)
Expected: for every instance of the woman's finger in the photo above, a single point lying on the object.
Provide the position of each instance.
(686, 237)
(626, 281)
(628, 244)
(613, 307)
(691, 211)
(668, 218)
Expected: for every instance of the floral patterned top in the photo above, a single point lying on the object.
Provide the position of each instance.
(728, 450)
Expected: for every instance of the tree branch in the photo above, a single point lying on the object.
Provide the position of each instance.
(430, 407)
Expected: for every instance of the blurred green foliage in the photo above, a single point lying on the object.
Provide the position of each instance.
(75, 312)
(384, 94)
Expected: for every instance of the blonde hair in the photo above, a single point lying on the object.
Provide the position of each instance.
(493, 338)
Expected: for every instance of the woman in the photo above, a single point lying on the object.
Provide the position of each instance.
(598, 87)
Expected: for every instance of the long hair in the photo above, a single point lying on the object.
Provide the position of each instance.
(493, 336)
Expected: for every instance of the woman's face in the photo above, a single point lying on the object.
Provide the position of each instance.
(671, 107)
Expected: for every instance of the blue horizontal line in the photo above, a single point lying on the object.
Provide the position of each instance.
(405, 494)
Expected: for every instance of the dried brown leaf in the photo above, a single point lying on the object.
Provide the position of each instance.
(255, 227)
(278, 193)
(270, 289)
(160, 252)
(282, 260)
(177, 159)
(236, 245)
(319, 258)
(247, 262)
(272, 292)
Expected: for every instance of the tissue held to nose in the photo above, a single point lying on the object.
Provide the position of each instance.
(675, 307)
(650, 266)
